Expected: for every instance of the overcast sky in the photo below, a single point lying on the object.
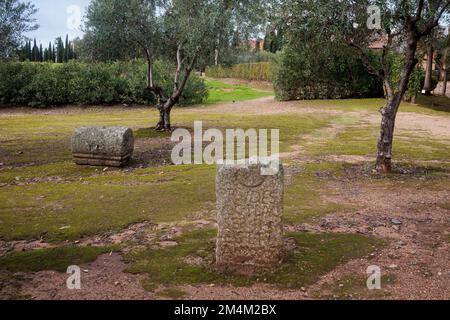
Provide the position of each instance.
(58, 18)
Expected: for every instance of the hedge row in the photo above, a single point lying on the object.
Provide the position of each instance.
(261, 71)
(306, 74)
(48, 84)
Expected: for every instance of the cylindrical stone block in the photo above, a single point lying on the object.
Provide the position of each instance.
(102, 146)
(250, 211)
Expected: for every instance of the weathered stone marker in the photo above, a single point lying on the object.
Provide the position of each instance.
(250, 210)
(102, 146)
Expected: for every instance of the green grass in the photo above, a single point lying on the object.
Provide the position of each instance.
(53, 259)
(61, 201)
(66, 170)
(435, 106)
(45, 195)
(220, 92)
(315, 255)
(36, 139)
(437, 103)
(304, 197)
(360, 138)
(68, 210)
(89, 201)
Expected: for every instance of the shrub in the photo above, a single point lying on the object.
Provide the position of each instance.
(47, 84)
(303, 73)
(417, 80)
(261, 71)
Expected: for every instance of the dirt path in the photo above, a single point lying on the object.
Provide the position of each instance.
(435, 126)
(264, 106)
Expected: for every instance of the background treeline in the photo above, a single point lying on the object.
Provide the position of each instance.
(49, 84)
(59, 52)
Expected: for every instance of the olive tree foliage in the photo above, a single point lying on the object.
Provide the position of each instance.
(16, 18)
(401, 26)
(186, 32)
(240, 21)
(314, 62)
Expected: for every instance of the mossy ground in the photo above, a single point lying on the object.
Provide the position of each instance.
(43, 195)
(57, 200)
(307, 196)
(315, 254)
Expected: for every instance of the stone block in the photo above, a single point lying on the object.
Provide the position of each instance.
(250, 212)
(102, 146)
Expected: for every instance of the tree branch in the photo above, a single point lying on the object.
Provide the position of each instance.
(365, 60)
(434, 22)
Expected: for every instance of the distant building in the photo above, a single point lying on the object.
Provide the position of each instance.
(379, 43)
(256, 44)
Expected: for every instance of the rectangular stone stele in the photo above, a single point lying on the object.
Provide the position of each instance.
(250, 212)
(102, 146)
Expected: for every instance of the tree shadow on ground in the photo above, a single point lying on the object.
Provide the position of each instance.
(436, 103)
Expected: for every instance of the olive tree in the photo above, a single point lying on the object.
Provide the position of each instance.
(400, 25)
(16, 18)
(403, 24)
(184, 31)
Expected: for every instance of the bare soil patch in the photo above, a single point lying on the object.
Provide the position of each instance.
(103, 279)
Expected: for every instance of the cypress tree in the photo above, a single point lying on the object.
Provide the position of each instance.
(59, 50)
(29, 54)
(41, 53)
(35, 52)
(50, 55)
(71, 55)
(27, 51)
(67, 50)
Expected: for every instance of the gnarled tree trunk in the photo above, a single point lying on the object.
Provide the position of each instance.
(166, 107)
(390, 110)
(385, 142)
(444, 68)
(444, 87)
(428, 86)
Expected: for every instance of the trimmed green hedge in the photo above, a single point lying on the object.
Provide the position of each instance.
(261, 71)
(48, 84)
